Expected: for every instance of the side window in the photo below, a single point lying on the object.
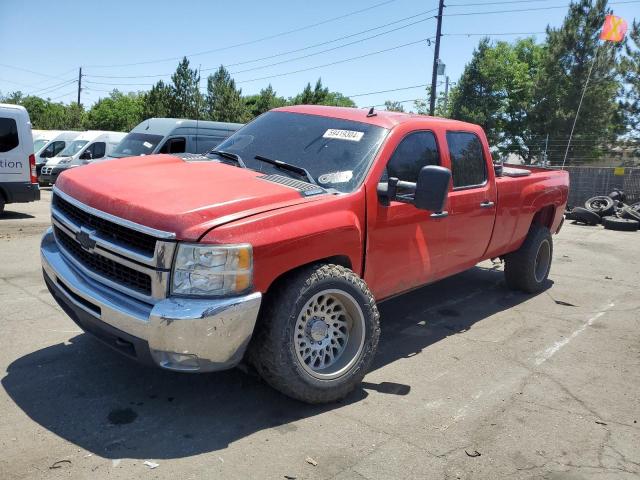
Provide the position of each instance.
(99, 149)
(56, 148)
(468, 165)
(8, 134)
(415, 151)
(174, 145)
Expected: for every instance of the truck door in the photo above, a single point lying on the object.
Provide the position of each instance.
(472, 203)
(405, 245)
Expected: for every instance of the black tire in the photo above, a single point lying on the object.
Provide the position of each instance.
(527, 268)
(582, 215)
(620, 224)
(602, 205)
(275, 348)
(1, 205)
(618, 195)
(630, 213)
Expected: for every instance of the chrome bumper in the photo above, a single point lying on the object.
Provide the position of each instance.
(181, 333)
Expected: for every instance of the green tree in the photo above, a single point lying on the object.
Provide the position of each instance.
(320, 95)
(393, 106)
(118, 112)
(630, 67)
(44, 114)
(158, 102)
(223, 102)
(264, 101)
(496, 91)
(571, 51)
(186, 100)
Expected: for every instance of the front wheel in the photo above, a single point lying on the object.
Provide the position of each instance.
(317, 335)
(527, 268)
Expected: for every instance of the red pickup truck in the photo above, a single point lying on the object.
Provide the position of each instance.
(276, 246)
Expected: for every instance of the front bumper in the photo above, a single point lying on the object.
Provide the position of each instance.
(49, 175)
(175, 333)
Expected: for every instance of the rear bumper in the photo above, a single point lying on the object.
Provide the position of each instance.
(20, 192)
(176, 333)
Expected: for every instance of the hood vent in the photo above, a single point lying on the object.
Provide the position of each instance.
(192, 157)
(306, 189)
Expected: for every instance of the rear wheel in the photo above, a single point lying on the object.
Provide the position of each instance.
(527, 268)
(1, 205)
(318, 334)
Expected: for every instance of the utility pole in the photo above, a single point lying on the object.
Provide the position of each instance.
(436, 60)
(446, 92)
(79, 84)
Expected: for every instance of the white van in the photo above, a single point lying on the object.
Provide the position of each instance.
(18, 181)
(54, 142)
(86, 147)
(174, 135)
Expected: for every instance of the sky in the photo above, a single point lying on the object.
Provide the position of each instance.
(43, 43)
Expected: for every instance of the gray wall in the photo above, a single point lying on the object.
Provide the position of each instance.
(587, 182)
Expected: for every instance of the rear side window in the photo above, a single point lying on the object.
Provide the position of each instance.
(8, 134)
(468, 166)
(415, 151)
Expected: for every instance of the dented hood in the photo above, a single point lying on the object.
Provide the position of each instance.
(168, 193)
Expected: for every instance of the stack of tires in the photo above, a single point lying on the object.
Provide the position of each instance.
(608, 210)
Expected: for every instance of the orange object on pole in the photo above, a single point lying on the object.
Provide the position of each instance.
(614, 29)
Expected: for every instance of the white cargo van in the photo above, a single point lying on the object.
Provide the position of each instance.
(173, 135)
(54, 142)
(18, 181)
(86, 147)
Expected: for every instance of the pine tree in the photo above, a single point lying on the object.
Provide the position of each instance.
(158, 102)
(224, 102)
(186, 99)
(267, 100)
(570, 54)
(631, 73)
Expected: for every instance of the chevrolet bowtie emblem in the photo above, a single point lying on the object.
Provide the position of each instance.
(84, 239)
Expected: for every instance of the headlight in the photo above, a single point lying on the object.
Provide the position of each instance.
(212, 270)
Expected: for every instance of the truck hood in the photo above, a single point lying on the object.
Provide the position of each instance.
(168, 193)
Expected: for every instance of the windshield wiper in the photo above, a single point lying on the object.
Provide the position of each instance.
(229, 156)
(287, 166)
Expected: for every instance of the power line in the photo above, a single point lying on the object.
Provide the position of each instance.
(493, 3)
(280, 54)
(336, 62)
(251, 42)
(52, 88)
(63, 95)
(387, 91)
(28, 71)
(524, 9)
(489, 34)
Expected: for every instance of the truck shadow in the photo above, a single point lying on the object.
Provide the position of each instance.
(112, 407)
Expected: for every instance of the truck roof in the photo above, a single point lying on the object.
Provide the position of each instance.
(383, 118)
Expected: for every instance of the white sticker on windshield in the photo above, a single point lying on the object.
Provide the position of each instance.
(350, 135)
(147, 144)
(336, 177)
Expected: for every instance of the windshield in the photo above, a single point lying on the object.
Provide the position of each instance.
(136, 144)
(73, 148)
(38, 144)
(337, 153)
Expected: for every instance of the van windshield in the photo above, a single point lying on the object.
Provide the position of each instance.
(136, 144)
(337, 153)
(38, 144)
(73, 148)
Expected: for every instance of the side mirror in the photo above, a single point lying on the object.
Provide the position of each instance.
(428, 193)
(432, 188)
(86, 155)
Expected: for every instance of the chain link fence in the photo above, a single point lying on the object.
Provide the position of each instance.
(595, 167)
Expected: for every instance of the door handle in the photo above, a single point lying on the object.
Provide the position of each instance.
(487, 204)
(440, 214)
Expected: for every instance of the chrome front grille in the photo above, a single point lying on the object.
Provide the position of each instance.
(123, 255)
